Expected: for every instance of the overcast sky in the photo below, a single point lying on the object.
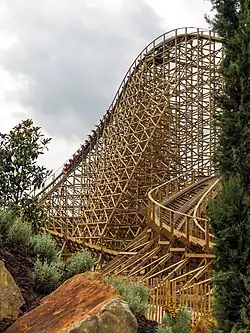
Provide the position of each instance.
(62, 61)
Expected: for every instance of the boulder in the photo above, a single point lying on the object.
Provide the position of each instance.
(11, 298)
(79, 305)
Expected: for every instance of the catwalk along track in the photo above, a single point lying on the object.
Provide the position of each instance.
(134, 192)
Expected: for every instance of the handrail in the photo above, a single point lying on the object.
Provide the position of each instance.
(169, 209)
(200, 203)
(158, 209)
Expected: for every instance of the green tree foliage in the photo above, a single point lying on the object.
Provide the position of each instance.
(230, 220)
(229, 212)
(232, 21)
(6, 221)
(19, 172)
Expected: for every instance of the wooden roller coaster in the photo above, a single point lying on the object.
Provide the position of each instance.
(135, 192)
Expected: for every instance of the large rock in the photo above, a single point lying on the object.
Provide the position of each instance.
(11, 298)
(80, 305)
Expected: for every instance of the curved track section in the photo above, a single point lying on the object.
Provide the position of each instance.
(158, 126)
(174, 243)
(172, 256)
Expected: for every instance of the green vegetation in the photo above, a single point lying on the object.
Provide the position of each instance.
(176, 324)
(229, 212)
(48, 275)
(135, 294)
(6, 220)
(52, 271)
(44, 246)
(49, 271)
(79, 263)
(19, 232)
(19, 171)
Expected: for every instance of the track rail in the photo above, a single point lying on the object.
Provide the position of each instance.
(150, 256)
(164, 215)
(158, 124)
(54, 180)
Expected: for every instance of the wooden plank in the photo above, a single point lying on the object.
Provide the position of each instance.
(162, 242)
(200, 255)
(177, 249)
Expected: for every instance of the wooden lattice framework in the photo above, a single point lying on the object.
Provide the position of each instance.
(158, 126)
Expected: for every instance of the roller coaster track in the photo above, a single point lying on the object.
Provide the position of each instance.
(175, 248)
(135, 193)
(175, 235)
(158, 127)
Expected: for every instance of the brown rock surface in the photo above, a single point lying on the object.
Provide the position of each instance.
(11, 298)
(80, 305)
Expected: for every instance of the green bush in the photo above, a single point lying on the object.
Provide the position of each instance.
(134, 294)
(6, 221)
(164, 329)
(48, 276)
(79, 262)
(44, 246)
(176, 324)
(19, 232)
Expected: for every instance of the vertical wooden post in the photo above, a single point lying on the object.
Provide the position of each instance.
(193, 177)
(198, 309)
(167, 191)
(209, 298)
(174, 294)
(160, 217)
(171, 223)
(207, 233)
(187, 228)
(150, 299)
(149, 210)
(176, 186)
(153, 212)
(205, 298)
(157, 299)
(167, 299)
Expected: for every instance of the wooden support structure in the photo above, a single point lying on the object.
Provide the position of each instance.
(134, 193)
(157, 127)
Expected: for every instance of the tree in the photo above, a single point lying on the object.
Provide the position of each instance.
(229, 212)
(19, 172)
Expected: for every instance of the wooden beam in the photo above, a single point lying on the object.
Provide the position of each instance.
(177, 249)
(200, 255)
(162, 242)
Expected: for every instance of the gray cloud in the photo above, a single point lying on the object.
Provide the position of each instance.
(73, 55)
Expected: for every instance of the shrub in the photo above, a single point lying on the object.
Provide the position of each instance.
(206, 324)
(176, 324)
(48, 276)
(19, 232)
(44, 246)
(6, 220)
(134, 294)
(79, 262)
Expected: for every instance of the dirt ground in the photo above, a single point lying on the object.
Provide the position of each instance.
(146, 326)
(20, 264)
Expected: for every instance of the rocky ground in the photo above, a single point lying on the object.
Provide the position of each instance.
(20, 264)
